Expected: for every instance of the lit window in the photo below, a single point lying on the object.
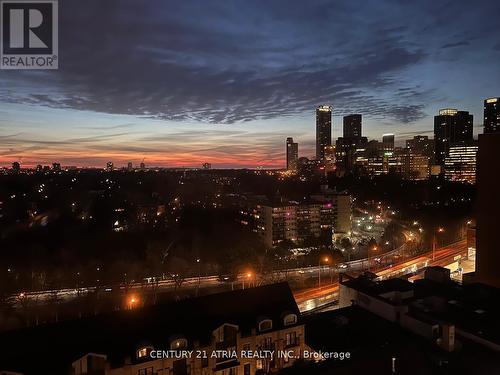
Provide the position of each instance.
(178, 344)
(259, 365)
(142, 352)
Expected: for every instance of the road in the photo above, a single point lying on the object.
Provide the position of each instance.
(390, 264)
(315, 298)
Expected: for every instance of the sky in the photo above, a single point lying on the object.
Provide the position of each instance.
(180, 83)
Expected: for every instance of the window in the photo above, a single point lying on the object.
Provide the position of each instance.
(246, 369)
(290, 319)
(267, 343)
(265, 325)
(178, 344)
(145, 371)
(142, 352)
(259, 365)
(204, 361)
(291, 339)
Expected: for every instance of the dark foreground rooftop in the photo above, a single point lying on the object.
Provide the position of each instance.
(50, 349)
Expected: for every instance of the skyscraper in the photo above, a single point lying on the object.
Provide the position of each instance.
(492, 115)
(292, 154)
(451, 127)
(460, 163)
(323, 129)
(388, 142)
(421, 145)
(352, 126)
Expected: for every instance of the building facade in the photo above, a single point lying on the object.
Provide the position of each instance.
(451, 127)
(352, 126)
(460, 163)
(292, 154)
(492, 115)
(323, 130)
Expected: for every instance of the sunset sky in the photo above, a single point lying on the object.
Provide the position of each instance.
(180, 83)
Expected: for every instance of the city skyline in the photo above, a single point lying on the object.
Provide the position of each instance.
(223, 91)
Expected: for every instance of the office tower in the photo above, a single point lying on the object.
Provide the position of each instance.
(142, 165)
(129, 166)
(207, 166)
(451, 127)
(418, 156)
(39, 168)
(323, 129)
(350, 145)
(352, 126)
(388, 142)
(292, 154)
(492, 115)
(460, 163)
(488, 205)
(109, 166)
(421, 145)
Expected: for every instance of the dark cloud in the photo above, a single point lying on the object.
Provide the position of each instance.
(228, 66)
(225, 62)
(456, 44)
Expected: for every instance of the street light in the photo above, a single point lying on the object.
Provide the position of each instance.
(248, 276)
(326, 260)
(198, 260)
(434, 240)
(132, 302)
(374, 248)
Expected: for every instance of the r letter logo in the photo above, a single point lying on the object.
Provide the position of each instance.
(28, 34)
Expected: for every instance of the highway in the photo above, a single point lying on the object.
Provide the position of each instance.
(315, 298)
(390, 264)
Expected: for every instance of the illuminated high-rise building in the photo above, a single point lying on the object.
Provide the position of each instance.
(109, 166)
(292, 154)
(323, 129)
(460, 163)
(352, 126)
(451, 127)
(492, 115)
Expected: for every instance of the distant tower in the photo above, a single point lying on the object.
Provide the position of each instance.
(388, 142)
(352, 126)
(323, 130)
(492, 115)
(130, 166)
(451, 127)
(292, 154)
(109, 166)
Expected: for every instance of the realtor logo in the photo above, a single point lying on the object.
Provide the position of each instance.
(28, 34)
